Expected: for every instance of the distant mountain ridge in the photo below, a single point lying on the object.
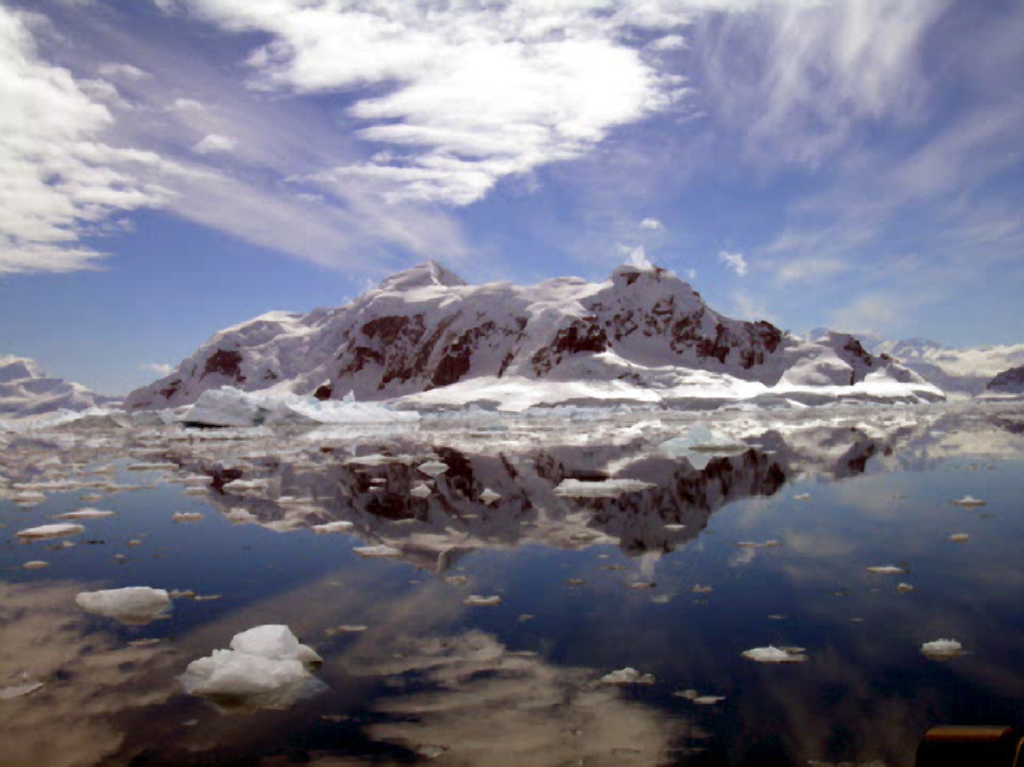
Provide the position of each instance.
(425, 337)
(25, 390)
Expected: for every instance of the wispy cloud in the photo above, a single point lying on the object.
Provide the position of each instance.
(160, 368)
(733, 261)
(213, 143)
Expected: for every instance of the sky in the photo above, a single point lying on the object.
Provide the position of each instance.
(169, 168)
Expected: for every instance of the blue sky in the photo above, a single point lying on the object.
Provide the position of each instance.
(171, 167)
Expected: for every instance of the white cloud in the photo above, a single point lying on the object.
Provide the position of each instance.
(638, 258)
(160, 368)
(475, 93)
(123, 72)
(691, 274)
(214, 143)
(57, 176)
(187, 105)
(669, 43)
(653, 224)
(733, 261)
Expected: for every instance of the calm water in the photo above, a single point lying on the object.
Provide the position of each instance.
(434, 680)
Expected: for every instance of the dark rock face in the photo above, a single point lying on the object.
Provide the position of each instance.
(1008, 382)
(226, 363)
(323, 392)
(584, 335)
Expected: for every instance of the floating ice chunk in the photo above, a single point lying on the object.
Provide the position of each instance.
(905, 588)
(642, 585)
(240, 515)
(606, 488)
(802, 497)
(134, 605)
(433, 468)
(674, 528)
(58, 530)
(489, 496)
(28, 498)
(345, 629)
(341, 526)
(90, 497)
(708, 700)
(959, 537)
(968, 502)
(687, 694)
(187, 516)
(475, 600)
(698, 589)
(153, 467)
(266, 667)
(36, 564)
(627, 675)
(772, 654)
(421, 491)
(940, 649)
(88, 513)
(755, 545)
(886, 570)
(377, 459)
(372, 552)
(27, 685)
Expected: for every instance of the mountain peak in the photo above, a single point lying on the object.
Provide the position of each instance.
(425, 275)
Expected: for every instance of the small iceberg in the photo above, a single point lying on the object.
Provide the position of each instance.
(772, 654)
(959, 537)
(941, 649)
(36, 564)
(377, 552)
(433, 468)
(488, 496)
(969, 502)
(187, 516)
(627, 675)
(605, 488)
(132, 606)
(87, 513)
(340, 526)
(475, 600)
(59, 530)
(886, 570)
(420, 491)
(265, 668)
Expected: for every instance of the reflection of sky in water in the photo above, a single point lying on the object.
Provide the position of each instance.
(433, 678)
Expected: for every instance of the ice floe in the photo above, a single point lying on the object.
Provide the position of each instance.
(489, 496)
(606, 488)
(133, 605)
(886, 570)
(57, 530)
(36, 564)
(968, 502)
(940, 649)
(476, 600)
(341, 526)
(772, 654)
(265, 667)
(26, 685)
(433, 468)
(905, 588)
(186, 516)
(959, 537)
(88, 513)
(377, 552)
(627, 675)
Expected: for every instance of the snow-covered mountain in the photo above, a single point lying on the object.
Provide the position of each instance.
(1008, 382)
(26, 391)
(427, 339)
(965, 371)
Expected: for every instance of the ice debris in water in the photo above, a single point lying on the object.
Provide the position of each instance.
(905, 588)
(802, 497)
(968, 501)
(698, 589)
(25, 686)
(87, 513)
(187, 516)
(133, 605)
(489, 496)
(421, 491)
(36, 564)
(959, 537)
(769, 544)
(886, 570)
(345, 629)
(372, 552)
(940, 649)
(772, 654)
(265, 667)
(605, 488)
(475, 600)
(341, 526)
(627, 675)
(51, 531)
(433, 468)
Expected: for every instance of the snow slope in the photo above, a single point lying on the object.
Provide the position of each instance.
(427, 339)
(965, 371)
(26, 391)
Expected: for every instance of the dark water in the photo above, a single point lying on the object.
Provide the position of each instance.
(435, 680)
